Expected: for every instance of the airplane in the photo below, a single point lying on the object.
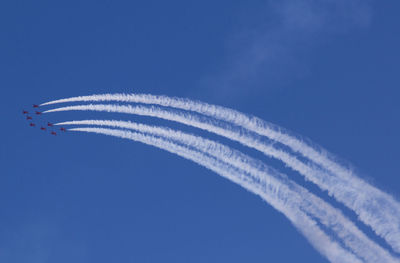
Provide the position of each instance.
(25, 112)
(63, 129)
(43, 128)
(50, 124)
(32, 124)
(35, 106)
(53, 133)
(28, 117)
(38, 112)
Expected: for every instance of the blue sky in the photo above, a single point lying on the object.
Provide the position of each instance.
(327, 71)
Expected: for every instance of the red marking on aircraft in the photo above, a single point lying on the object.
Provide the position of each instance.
(35, 106)
(53, 133)
(28, 117)
(63, 129)
(25, 112)
(32, 124)
(50, 124)
(43, 128)
(38, 112)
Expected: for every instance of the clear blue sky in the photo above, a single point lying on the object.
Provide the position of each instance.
(327, 71)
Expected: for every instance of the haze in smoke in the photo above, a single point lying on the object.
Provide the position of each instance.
(373, 207)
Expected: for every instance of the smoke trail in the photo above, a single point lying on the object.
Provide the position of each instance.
(275, 193)
(351, 236)
(373, 207)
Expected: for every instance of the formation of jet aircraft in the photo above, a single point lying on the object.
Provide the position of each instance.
(43, 127)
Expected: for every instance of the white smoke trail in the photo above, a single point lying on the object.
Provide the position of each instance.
(351, 236)
(272, 191)
(373, 207)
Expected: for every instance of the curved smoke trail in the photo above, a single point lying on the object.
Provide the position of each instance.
(274, 193)
(330, 217)
(373, 207)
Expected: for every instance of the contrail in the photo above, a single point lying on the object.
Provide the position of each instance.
(273, 192)
(373, 207)
(351, 236)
